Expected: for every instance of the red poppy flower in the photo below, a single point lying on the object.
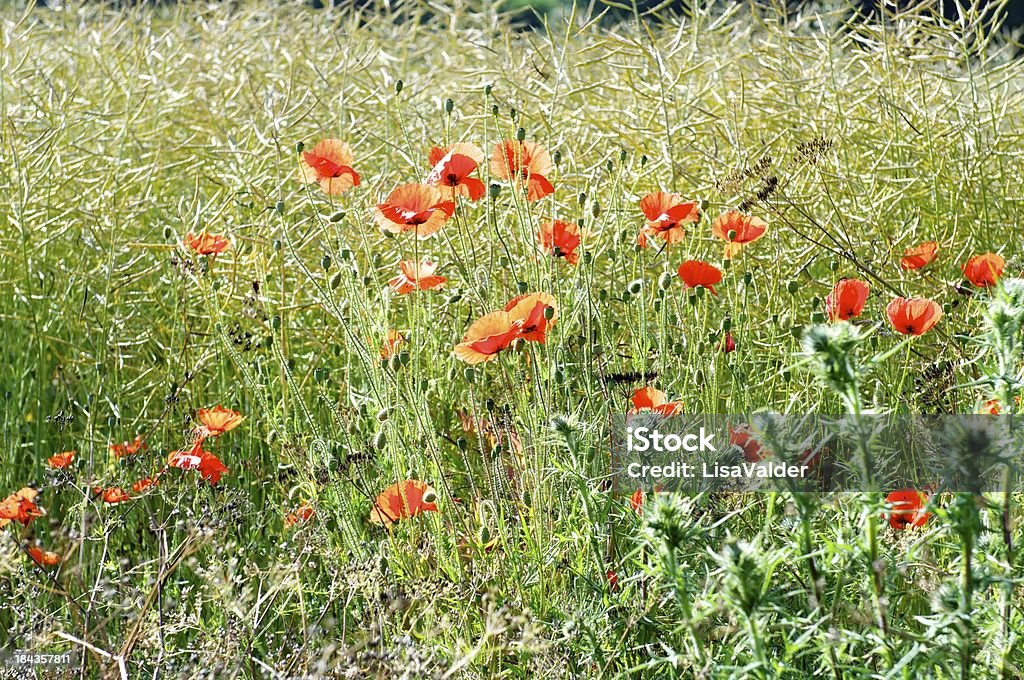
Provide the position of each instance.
(728, 345)
(43, 558)
(524, 163)
(907, 508)
(613, 579)
(696, 273)
(636, 501)
(207, 244)
(303, 513)
(112, 495)
(984, 270)
(992, 407)
(402, 501)
(125, 449)
(414, 207)
(208, 465)
(392, 340)
(145, 484)
(61, 460)
(416, 276)
(667, 216)
(847, 299)
(218, 420)
(451, 170)
(531, 309)
(919, 256)
(651, 399)
(20, 507)
(487, 336)
(742, 437)
(913, 316)
(330, 164)
(737, 230)
(560, 239)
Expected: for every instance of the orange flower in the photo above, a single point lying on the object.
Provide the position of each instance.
(696, 273)
(919, 256)
(984, 270)
(303, 513)
(330, 164)
(531, 310)
(560, 239)
(20, 507)
(392, 341)
(145, 484)
(667, 216)
(636, 501)
(651, 399)
(487, 336)
(128, 448)
(414, 207)
(402, 501)
(728, 345)
(847, 299)
(61, 460)
(207, 244)
(451, 170)
(737, 230)
(209, 466)
(742, 438)
(415, 276)
(112, 495)
(524, 163)
(913, 316)
(43, 558)
(218, 420)
(907, 508)
(613, 579)
(992, 407)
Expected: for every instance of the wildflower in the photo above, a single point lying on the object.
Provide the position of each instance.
(737, 230)
(208, 465)
(531, 310)
(907, 508)
(742, 438)
(699, 274)
(61, 460)
(667, 215)
(206, 243)
(125, 449)
(992, 407)
(392, 340)
(145, 484)
(416, 275)
(651, 399)
(218, 420)
(414, 207)
(496, 434)
(43, 558)
(20, 507)
(487, 336)
(112, 495)
(560, 239)
(984, 271)
(636, 500)
(402, 501)
(451, 170)
(847, 299)
(523, 163)
(728, 345)
(330, 164)
(303, 513)
(913, 316)
(613, 579)
(919, 256)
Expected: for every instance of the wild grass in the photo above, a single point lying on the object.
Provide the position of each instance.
(120, 131)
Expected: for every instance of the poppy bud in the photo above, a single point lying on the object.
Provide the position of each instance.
(609, 165)
(549, 312)
(556, 251)
(394, 363)
(726, 264)
(487, 89)
(834, 265)
(583, 198)
(747, 278)
(489, 404)
(520, 134)
(269, 342)
(279, 207)
(817, 317)
(732, 234)
(336, 281)
(462, 444)
(299, 147)
(587, 257)
(665, 280)
(726, 324)
(595, 209)
(320, 375)
(336, 217)
(168, 234)
(404, 358)
(215, 285)
(792, 287)
(494, 110)
(579, 223)
(947, 308)
(398, 86)
(449, 105)
(626, 296)
(454, 297)
(275, 323)
(325, 262)
(469, 374)
(712, 336)
(602, 295)
(503, 261)
(643, 160)
(277, 244)
(635, 286)
(494, 190)
(796, 331)
(512, 114)
(557, 157)
(380, 440)
(698, 292)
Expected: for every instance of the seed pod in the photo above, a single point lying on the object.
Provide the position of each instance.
(488, 88)
(635, 286)
(643, 160)
(665, 280)
(469, 374)
(321, 375)
(726, 324)
(549, 312)
(449, 105)
(336, 217)
(300, 147)
(522, 286)
(380, 440)
(622, 156)
(747, 278)
(336, 280)
(325, 262)
(792, 287)
(398, 86)
(557, 157)
(279, 207)
(520, 134)
(275, 323)
(494, 190)
(494, 110)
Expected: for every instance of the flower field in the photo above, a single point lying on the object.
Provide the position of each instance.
(316, 328)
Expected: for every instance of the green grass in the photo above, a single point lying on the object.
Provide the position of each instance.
(120, 132)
